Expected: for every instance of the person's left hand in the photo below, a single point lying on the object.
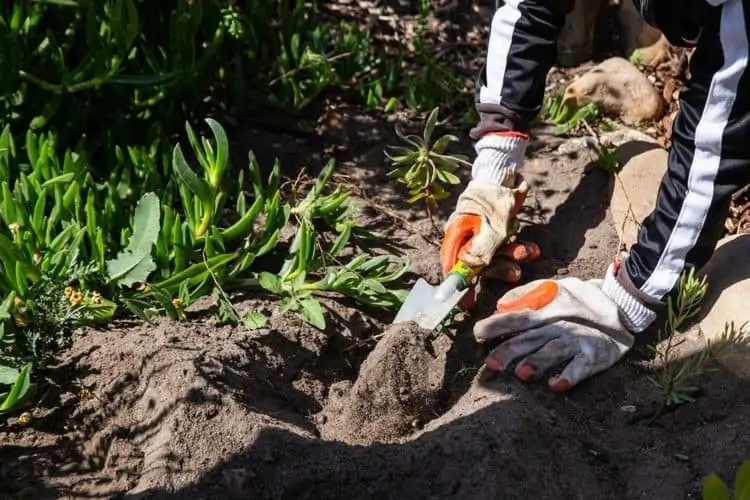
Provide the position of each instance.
(585, 326)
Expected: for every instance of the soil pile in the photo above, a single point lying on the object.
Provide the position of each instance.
(396, 391)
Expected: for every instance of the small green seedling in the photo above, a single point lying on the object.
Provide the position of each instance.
(607, 161)
(675, 381)
(636, 58)
(560, 111)
(424, 167)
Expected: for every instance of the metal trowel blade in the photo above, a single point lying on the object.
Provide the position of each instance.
(423, 308)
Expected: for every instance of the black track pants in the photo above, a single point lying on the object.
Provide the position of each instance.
(710, 154)
(709, 158)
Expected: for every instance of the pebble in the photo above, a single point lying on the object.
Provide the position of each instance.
(628, 408)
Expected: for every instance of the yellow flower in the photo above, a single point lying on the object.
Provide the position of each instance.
(177, 303)
(76, 298)
(96, 298)
(68, 291)
(24, 418)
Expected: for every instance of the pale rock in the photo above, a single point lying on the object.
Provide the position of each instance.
(622, 134)
(634, 190)
(618, 89)
(726, 301)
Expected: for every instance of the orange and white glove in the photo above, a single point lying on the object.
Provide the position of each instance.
(585, 326)
(484, 217)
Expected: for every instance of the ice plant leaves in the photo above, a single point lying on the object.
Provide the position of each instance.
(21, 387)
(135, 263)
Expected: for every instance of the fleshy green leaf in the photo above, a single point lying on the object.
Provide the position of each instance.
(312, 312)
(742, 482)
(186, 174)
(135, 263)
(254, 320)
(430, 125)
(222, 145)
(715, 489)
(19, 390)
(270, 282)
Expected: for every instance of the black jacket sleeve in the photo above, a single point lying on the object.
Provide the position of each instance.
(522, 49)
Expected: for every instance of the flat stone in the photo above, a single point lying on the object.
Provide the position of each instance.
(728, 276)
(634, 190)
(618, 89)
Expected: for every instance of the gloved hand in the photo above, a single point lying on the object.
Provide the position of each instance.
(586, 325)
(485, 213)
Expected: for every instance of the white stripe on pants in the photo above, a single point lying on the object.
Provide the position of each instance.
(501, 37)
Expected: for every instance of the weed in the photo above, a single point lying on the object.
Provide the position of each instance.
(423, 165)
(560, 111)
(607, 160)
(675, 380)
(636, 58)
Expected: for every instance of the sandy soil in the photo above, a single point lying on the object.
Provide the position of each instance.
(192, 410)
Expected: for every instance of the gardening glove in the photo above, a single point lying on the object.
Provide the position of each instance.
(485, 213)
(585, 326)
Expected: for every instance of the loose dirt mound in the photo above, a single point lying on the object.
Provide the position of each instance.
(164, 403)
(397, 389)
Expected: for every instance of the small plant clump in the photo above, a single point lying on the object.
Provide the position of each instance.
(561, 112)
(675, 381)
(636, 58)
(568, 118)
(608, 161)
(423, 165)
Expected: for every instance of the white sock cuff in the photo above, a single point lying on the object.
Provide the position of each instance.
(498, 158)
(637, 316)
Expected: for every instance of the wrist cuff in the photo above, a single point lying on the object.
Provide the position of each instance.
(498, 158)
(636, 316)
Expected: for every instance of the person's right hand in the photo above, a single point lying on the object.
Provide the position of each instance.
(477, 232)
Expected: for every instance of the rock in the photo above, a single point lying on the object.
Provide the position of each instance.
(634, 190)
(618, 89)
(728, 275)
(650, 44)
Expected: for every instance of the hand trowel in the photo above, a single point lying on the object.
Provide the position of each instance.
(429, 305)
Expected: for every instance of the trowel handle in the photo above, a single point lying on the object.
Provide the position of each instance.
(458, 278)
(463, 272)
